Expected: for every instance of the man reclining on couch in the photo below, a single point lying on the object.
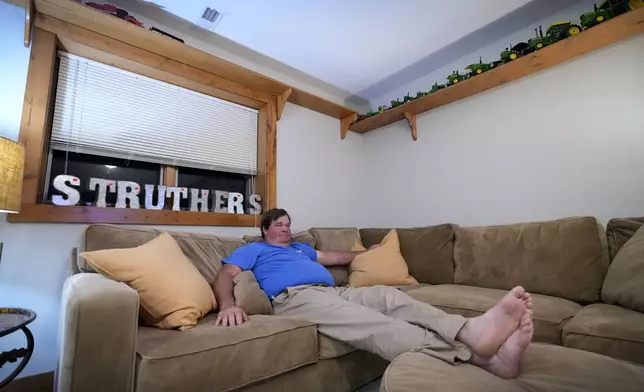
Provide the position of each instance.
(379, 319)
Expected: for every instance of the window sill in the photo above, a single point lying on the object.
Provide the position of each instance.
(32, 213)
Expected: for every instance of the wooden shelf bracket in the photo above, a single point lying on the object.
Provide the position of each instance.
(411, 119)
(345, 123)
(281, 102)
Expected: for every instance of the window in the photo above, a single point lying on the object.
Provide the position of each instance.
(159, 123)
(116, 125)
(86, 166)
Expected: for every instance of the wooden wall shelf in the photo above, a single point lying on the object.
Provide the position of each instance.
(93, 20)
(607, 33)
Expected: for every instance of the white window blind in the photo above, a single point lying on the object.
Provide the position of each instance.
(106, 111)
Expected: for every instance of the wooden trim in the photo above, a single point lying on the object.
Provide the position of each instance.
(169, 176)
(118, 29)
(81, 214)
(607, 33)
(345, 123)
(411, 120)
(266, 180)
(85, 43)
(42, 382)
(302, 98)
(29, 21)
(281, 102)
(36, 113)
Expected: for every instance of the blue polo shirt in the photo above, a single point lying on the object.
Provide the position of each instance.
(277, 267)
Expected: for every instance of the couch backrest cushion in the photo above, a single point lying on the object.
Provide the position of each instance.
(302, 236)
(566, 258)
(336, 239)
(624, 283)
(203, 250)
(620, 230)
(428, 251)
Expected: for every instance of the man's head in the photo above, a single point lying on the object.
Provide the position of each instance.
(276, 226)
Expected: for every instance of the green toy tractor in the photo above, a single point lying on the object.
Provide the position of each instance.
(436, 87)
(608, 9)
(382, 109)
(395, 103)
(370, 114)
(420, 94)
(480, 67)
(512, 53)
(555, 33)
(408, 98)
(456, 77)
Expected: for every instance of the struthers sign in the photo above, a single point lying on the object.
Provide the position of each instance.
(127, 196)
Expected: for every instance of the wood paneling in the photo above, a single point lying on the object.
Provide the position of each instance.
(266, 181)
(319, 104)
(169, 176)
(118, 29)
(85, 43)
(43, 382)
(36, 113)
(80, 214)
(607, 33)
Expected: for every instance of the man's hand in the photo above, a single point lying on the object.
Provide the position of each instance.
(230, 316)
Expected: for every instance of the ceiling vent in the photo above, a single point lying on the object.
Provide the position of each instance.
(210, 18)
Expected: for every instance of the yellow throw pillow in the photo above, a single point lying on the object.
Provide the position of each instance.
(171, 290)
(384, 265)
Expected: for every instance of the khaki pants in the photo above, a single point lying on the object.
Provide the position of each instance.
(379, 319)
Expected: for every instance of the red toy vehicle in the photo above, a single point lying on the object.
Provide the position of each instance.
(113, 10)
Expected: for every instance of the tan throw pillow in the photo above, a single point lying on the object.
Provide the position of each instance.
(171, 290)
(624, 281)
(249, 296)
(381, 266)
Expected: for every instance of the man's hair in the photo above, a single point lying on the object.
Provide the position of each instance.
(271, 216)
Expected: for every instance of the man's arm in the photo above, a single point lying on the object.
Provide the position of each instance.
(229, 313)
(338, 257)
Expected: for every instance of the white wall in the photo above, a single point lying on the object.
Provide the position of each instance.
(566, 141)
(317, 175)
(13, 69)
(489, 53)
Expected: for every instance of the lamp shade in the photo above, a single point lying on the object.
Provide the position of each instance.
(12, 159)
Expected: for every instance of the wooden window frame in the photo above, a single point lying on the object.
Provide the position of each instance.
(51, 35)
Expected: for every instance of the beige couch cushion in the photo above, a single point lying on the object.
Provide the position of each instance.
(624, 283)
(209, 358)
(608, 330)
(384, 265)
(545, 368)
(302, 236)
(249, 296)
(330, 348)
(620, 230)
(172, 292)
(428, 251)
(335, 238)
(203, 250)
(565, 258)
(550, 313)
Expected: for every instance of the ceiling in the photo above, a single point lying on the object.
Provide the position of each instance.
(351, 44)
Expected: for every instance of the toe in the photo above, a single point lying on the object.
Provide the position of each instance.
(518, 292)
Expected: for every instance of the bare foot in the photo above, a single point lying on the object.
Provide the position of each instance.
(506, 362)
(527, 299)
(486, 333)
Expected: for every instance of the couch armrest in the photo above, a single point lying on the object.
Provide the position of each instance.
(97, 335)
